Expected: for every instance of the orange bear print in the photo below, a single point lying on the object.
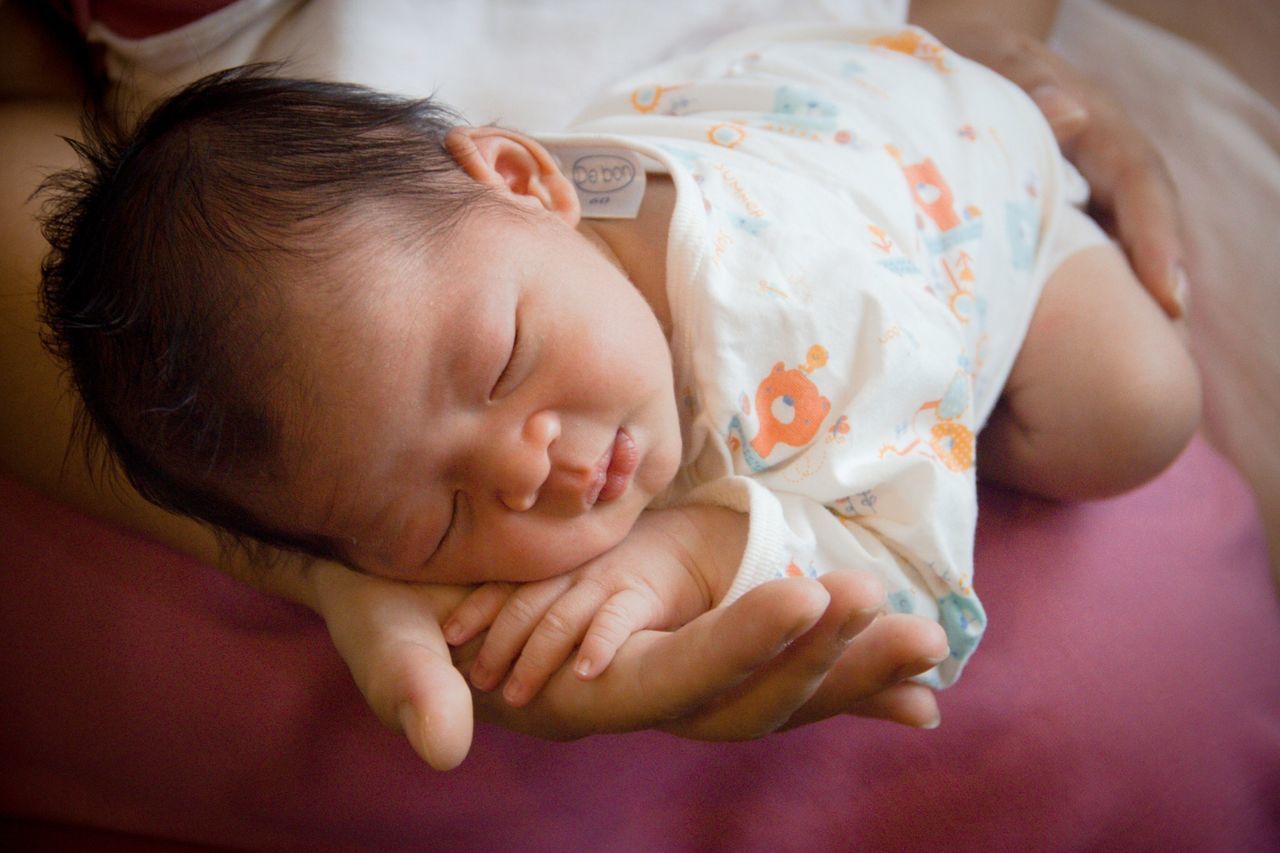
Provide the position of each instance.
(917, 45)
(789, 409)
(933, 195)
(948, 440)
(930, 190)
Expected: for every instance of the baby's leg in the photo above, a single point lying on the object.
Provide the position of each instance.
(1103, 395)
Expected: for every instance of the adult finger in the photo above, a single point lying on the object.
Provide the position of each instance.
(772, 695)
(895, 648)
(430, 698)
(389, 635)
(1148, 224)
(908, 704)
(1132, 191)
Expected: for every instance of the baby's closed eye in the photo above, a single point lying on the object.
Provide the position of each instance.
(508, 378)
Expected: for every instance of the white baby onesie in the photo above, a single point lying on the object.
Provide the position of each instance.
(863, 225)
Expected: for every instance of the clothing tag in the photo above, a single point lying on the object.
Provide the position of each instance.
(609, 181)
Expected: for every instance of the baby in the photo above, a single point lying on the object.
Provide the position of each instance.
(743, 322)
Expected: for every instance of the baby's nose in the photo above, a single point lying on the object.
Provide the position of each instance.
(518, 503)
(525, 468)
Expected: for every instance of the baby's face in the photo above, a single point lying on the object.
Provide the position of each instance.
(502, 410)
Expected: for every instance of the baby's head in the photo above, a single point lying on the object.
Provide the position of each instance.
(338, 322)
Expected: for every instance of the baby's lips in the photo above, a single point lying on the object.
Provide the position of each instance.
(622, 464)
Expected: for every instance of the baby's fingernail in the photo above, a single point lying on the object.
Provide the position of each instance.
(1181, 287)
(452, 633)
(583, 668)
(1063, 111)
(933, 722)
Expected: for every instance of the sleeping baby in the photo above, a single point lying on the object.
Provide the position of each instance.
(745, 320)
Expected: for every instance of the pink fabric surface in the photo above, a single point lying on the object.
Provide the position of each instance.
(1127, 696)
(136, 19)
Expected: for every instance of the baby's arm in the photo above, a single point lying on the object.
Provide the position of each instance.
(674, 565)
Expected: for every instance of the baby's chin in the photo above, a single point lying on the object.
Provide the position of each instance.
(578, 551)
(567, 550)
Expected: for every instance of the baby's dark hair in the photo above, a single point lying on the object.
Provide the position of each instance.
(164, 278)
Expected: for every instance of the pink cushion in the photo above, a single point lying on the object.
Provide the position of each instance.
(137, 19)
(1127, 695)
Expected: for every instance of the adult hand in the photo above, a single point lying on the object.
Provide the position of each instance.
(787, 653)
(1132, 194)
(389, 634)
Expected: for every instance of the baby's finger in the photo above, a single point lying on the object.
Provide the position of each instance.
(658, 677)
(476, 612)
(553, 640)
(520, 615)
(617, 619)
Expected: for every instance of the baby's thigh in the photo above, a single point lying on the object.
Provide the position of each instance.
(1103, 395)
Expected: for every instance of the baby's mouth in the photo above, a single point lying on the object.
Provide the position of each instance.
(613, 471)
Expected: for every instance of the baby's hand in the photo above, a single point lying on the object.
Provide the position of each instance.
(660, 576)
(542, 622)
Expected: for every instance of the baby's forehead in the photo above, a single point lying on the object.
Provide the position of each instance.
(382, 270)
(335, 269)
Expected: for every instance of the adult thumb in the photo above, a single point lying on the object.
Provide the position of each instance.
(435, 712)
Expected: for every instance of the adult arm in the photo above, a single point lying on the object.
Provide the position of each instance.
(1132, 194)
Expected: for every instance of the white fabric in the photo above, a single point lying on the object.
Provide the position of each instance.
(863, 226)
(529, 64)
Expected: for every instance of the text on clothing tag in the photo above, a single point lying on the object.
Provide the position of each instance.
(609, 181)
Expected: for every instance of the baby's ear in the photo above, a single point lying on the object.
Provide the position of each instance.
(516, 165)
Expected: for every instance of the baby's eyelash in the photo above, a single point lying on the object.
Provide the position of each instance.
(506, 370)
(453, 521)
